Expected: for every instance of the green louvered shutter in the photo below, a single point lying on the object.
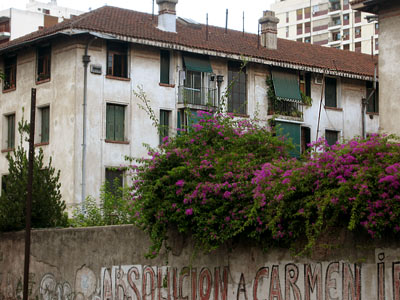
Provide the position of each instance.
(45, 124)
(330, 92)
(11, 132)
(164, 66)
(119, 122)
(292, 131)
(110, 119)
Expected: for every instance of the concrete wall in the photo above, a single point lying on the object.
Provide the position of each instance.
(389, 69)
(109, 263)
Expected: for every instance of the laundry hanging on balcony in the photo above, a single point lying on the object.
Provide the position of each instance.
(197, 64)
(286, 85)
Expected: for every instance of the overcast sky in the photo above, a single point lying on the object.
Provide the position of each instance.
(194, 9)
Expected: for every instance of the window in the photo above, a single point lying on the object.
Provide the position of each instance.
(305, 138)
(357, 16)
(299, 28)
(346, 34)
(164, 124)
(357, 32)
(346, 19)
(114, 181)
(376, 28)
(164, 66)
(117, 62)
(238, 88)
(46, 11)
(287, 31)
(330, 92)
(115, 122)
(346, 47)
(299, 14)
(10, 133)
(44, 114)
(376, 44)
(315, 9)
(336, 21)
(307, 12)
(373, 103)
(307, 40)
(336, 36)
(331, 137)
(307, 27)
(287, 17)
(43, 63)
(357, 47)
(10, 73)
(305, 84)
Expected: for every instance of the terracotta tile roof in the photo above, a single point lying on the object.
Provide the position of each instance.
(133, 24)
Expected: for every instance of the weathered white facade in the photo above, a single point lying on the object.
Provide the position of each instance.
(63, 93)
(389, 60)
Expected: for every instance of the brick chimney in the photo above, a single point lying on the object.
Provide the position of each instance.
(269, 31)
(167, 15)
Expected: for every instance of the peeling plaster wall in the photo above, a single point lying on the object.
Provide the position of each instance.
(109, 263)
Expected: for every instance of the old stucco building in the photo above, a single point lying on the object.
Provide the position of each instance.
(178, 64)
(389, 60)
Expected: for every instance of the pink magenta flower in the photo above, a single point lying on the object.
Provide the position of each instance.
(180, 183)
(189, 212)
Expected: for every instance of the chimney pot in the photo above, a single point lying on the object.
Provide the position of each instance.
(167, 15)
(269, 30)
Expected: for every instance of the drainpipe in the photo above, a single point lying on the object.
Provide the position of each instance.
(86, 61)
(364, 103)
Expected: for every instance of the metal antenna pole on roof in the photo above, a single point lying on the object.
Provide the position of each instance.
(226, 21)
(258, 36)
(243, 23)
(207, 27)
(152, 12)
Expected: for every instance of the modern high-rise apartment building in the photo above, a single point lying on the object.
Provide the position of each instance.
(15, 23)
(330, 23)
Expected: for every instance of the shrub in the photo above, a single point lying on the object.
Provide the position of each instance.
(47, 205)
(200, 181)
(354, 185)
(112, 210)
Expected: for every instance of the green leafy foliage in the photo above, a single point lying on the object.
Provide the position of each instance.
(47, 205)
(113, 208)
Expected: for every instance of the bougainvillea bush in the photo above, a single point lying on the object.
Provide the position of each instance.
(200, 182)
(354, 185)
(228, 179)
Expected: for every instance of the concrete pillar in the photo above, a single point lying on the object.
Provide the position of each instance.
(167, 15)
(269, 31)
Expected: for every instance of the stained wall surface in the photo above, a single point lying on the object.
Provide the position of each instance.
(109, 263)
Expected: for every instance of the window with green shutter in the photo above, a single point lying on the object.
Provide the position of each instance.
(331, 137)
(11, 131)
(164, 66)
(164, 124)
(330, 92)
(114, 181)
(237, 82)
(45, 124)
(373, 102)
(115, 122)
